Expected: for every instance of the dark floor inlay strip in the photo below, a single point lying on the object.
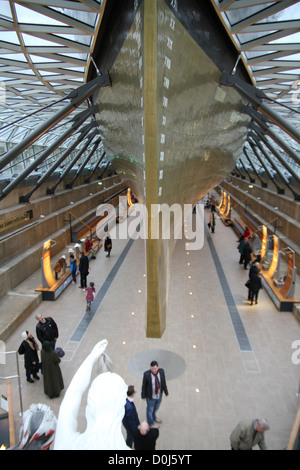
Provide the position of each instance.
(86, 320)
(238, 326)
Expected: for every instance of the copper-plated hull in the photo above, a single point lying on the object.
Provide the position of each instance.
(171, 131)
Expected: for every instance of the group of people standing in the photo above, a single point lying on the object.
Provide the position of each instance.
(83, 268)
(47, 334)
(143, 435)
(254, 283)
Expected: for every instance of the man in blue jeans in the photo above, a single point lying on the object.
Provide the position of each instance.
(153, 386)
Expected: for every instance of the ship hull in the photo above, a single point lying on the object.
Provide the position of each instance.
(171, 131)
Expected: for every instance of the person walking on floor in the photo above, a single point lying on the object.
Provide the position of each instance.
(108, 245)
(131, 420)
(29, 348)
(83, 269)
(46, 330)
(153, 386)
(249, 433)
(52, 376)
(90, 293)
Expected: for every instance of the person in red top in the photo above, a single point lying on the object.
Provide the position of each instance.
(247, 234)
(88, 244)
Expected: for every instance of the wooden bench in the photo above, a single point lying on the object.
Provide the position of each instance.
(87, 228)
(238, 227)
(277, 294)
(52, 293)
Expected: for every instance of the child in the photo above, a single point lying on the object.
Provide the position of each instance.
(90, 295)
(73, 268)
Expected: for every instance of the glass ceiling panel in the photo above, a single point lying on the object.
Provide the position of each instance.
(289, 13)
(29, 16)
(271, 56)
(239, 14)
(5, 10)
(58, 42)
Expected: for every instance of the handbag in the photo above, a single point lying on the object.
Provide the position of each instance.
(60, 352)
(247, 284)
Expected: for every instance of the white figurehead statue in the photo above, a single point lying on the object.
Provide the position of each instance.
(104, 410)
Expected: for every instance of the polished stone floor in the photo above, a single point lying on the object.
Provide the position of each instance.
(224, 360)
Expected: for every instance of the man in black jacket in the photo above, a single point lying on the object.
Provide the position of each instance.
(83, 269)
(145, 437)
(46, 330)
(153, 386)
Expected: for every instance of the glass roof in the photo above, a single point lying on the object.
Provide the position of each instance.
(46, 47)
(267, 35)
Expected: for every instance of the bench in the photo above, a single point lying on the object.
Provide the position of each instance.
(283, 304)
(87, 228)
(238, 227)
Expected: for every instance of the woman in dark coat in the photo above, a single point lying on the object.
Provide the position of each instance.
(107, 245)
(29, 348)
(53, 381)
(247, 254)
(255, 283)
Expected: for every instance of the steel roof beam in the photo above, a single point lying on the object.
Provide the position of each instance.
(57, 142)
(72, 163)
(260, 121)
(283, 161)
(257, 137)
(279, 189)
(58, 162)
(76, 97)
(84, 163)
(263, 184)
(87, 181)
(256, 97)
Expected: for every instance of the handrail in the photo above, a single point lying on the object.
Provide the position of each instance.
(81, 221)
(294, 432)
(15, 377)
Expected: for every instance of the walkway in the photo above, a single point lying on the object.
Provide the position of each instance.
(224, 359)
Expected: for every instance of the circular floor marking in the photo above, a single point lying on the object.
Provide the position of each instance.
(173, 364)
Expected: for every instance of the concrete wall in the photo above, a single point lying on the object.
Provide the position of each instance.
(21, 249)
